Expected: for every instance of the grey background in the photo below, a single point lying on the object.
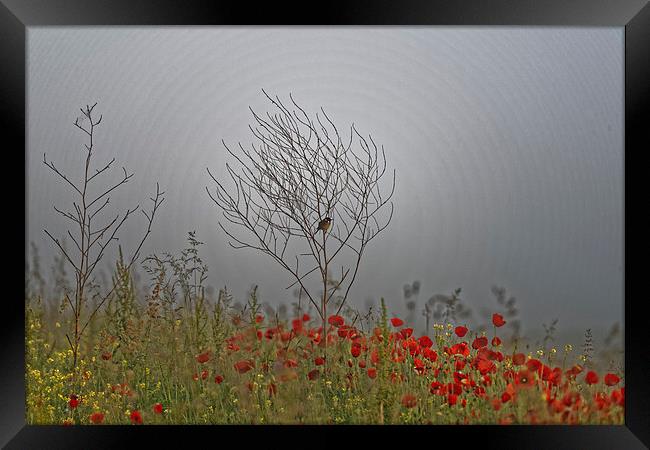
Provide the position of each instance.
(508, 146)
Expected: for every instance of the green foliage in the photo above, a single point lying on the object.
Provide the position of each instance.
(152, 348)
(185, 273)
(219, 321)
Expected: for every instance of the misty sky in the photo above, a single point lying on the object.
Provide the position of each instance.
(507, 142)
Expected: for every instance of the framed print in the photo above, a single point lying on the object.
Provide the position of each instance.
(385, 219)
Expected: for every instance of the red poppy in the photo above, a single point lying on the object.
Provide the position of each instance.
(74, 401)
(158, 408)
(557, 406)
(496, 341)
(314, 374)
(337, 321)
(431, 355)
(460, 349)
(356, 350)
(452, 399)
(203, 357)
(437, 388)
(344, 331)
(319, 361)
(505, 397)
(486, 353)
(396, 322)
(419, 366)
(611, 379)
(398, 356)
(374, 356)
(591, 377)
(259, 319)
(555, 377)
(409, 401)
(455, 388)
(218, 379)
(291, 363)
(305, 317)
(136, 417)
(243, 366)
(518, 359)
(575, 370)
(372, 372)
(460, 331)
(602, 401)
(534, 365)
(296, 325)
(618, 396)
(97, 417)
(425, 342)
(406, 332)
(480, 342)
(485, 365)
(571, 398)
(479, 391)
(412, 345)
(525, 378)
(497, 320)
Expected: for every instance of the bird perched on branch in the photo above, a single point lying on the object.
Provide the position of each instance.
(324, 225)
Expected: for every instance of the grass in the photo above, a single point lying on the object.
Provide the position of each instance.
(195, 361)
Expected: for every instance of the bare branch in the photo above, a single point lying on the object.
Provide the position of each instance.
(90, 242)
(157, 201)
(124, 180)
(103, 169)
(60, 174)
(298, 171)
(65, 253)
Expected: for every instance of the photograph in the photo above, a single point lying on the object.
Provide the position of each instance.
(325, 225)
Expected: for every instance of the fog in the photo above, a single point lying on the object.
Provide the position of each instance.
(507, 144)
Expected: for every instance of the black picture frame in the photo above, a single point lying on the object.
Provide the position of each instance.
(634, 15)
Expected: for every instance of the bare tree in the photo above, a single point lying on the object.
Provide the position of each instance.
(91, 240)
(300, 171)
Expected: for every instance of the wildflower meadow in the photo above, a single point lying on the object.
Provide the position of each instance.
(176, 356)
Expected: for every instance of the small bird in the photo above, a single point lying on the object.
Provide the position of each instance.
(324, 225)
